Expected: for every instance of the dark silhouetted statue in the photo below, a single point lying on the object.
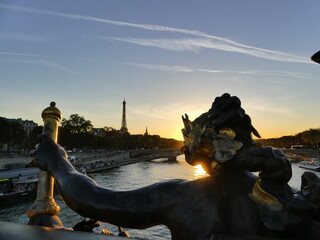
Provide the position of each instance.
(232, 203)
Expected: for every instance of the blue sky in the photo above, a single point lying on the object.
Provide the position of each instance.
(165, 57)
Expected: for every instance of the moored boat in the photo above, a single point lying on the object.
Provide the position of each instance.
(15, 192)
(313, 165)
(18, 185)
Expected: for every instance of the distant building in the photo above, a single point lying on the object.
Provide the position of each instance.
(146, 133)
(27, 125)
(124, 128)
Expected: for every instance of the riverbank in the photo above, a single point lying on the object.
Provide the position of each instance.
(97, 159)
(102, 163)
(303, 154)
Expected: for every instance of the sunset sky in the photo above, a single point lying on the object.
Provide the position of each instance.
(165, 57)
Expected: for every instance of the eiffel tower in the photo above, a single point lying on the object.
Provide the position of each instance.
(124, 128)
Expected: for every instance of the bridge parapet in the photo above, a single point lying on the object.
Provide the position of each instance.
(16, 231)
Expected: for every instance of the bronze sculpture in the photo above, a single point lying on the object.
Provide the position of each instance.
(230, 204)
(316, 57)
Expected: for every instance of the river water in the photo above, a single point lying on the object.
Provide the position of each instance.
(127, 178)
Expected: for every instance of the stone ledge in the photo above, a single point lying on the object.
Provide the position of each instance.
(15, 231)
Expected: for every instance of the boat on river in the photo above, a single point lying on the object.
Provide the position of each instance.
(16, 192)
(18, 185)
(313, 165)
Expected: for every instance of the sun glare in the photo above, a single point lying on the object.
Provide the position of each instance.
(199, 171)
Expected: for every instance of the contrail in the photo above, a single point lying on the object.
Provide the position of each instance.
(21, 54)
(157, 28)
(196, 45)
(42, 62)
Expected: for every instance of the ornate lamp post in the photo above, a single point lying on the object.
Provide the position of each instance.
(44, 203)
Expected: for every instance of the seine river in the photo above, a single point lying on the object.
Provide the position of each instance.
(127, 178)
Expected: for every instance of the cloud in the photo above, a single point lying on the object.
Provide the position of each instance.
(168, 112)
(23, 37)
(216, 42)
(43, 63)
(44, 56)
(265, 108)
(211, 71)
(196, 44)
(163, 67)
(216, 71)
(263, 73)
(169, 44)
(20, 54)
(264, 105)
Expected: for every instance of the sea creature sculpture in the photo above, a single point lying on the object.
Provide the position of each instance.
(232, 203)
(220, 140)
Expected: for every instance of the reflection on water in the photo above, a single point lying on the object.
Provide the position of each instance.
(297, 172)
(199, 171)
(127, 178)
